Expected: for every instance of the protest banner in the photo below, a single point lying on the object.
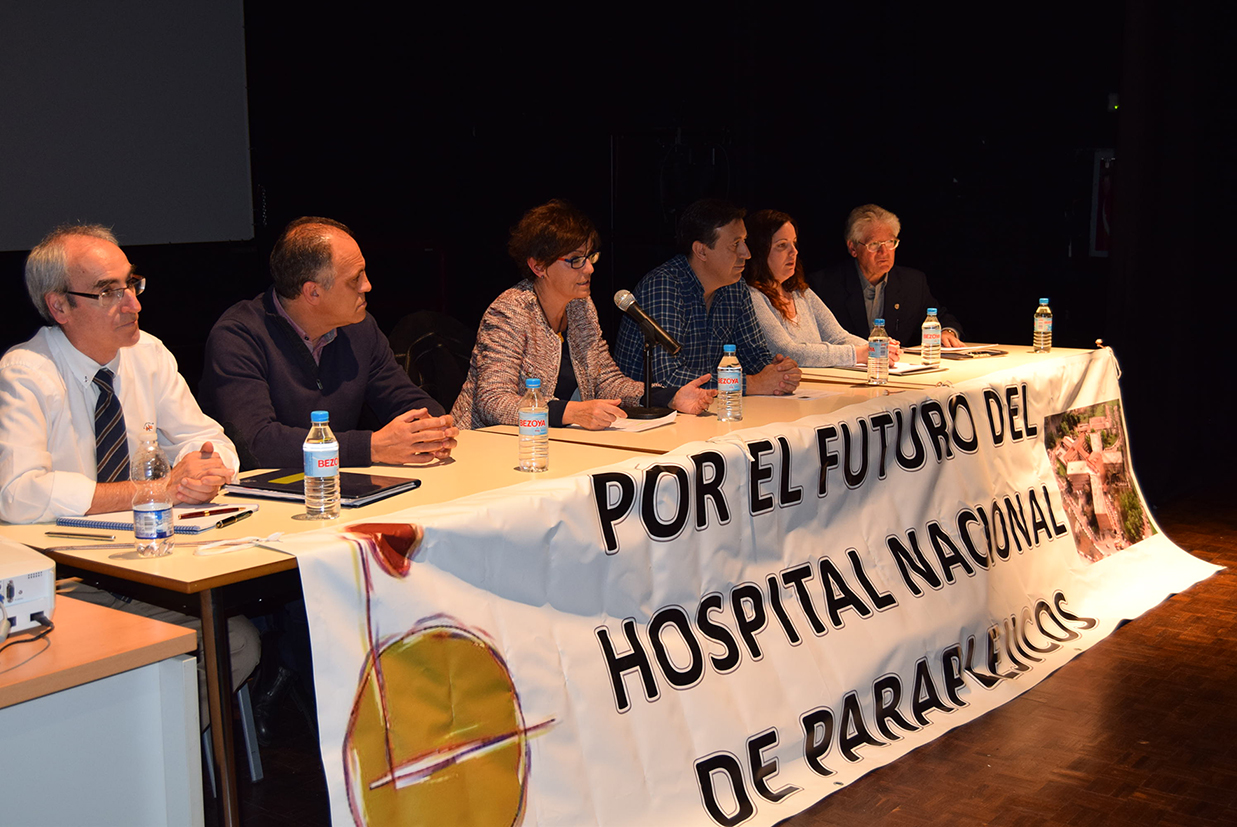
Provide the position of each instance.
(724, 634)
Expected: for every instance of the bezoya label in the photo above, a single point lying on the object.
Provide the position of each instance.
(534, 423)
(322, 459)
(729, 379)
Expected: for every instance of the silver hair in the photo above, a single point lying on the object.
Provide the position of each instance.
(47, 266)
(861, 217)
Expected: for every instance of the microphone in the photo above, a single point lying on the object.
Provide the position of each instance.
(652, 330)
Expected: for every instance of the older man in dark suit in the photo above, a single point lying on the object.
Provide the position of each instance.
(872, 286)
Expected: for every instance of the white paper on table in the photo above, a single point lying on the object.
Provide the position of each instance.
(895, 369)
(636, 425)
(811, 392)
(961, 349)
(904, 368)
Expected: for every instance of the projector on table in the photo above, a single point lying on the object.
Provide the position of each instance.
(27, 585)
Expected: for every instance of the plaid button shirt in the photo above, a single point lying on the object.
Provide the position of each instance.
(673, 296)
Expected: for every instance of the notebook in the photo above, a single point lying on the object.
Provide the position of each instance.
(221, 514)
(355, 489)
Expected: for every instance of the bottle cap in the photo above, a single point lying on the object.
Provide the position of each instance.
(727, 348)
(878, 322)
(931, 311)
(319, 416)
(1043, 301)
(532, 383)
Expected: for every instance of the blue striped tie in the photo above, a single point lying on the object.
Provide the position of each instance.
(111, 444)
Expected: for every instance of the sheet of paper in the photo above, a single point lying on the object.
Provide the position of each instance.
(812, 392)
(637, 425)
(962, 349)
(896, 369)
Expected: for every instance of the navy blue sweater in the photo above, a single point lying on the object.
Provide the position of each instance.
(260, 382)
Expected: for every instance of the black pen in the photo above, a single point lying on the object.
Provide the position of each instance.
(236, 518)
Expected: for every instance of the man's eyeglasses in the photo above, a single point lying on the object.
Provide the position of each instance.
(577, 262)
(873, 246)
(113, 295)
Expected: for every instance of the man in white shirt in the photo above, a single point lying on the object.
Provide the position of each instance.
(83, 284)
(78, 394)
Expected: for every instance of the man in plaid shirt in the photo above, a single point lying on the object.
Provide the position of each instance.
(699, 299)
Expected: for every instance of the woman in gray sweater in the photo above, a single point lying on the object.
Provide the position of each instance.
(794, 319)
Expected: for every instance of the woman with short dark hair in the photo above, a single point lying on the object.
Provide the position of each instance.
(546, 328)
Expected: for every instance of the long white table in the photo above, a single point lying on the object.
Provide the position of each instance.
(485, 460)
(529, 574)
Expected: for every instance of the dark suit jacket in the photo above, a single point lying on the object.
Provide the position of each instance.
(907, 299)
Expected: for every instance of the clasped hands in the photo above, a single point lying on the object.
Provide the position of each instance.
(414, 437)
(779, 378)
(198, 477)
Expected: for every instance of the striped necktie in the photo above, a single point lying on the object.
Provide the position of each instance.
(111, 444)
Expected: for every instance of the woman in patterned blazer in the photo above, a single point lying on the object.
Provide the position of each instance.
(546, 327)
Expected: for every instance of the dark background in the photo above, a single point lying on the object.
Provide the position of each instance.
(430, 131)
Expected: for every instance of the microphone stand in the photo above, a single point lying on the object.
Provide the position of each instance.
(647, 411)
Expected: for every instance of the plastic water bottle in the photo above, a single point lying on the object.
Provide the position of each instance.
(729, 386)
(534, 428)
(321, 469)
(930, 348)
(1042, 340)
(152, 507)
(878, 354)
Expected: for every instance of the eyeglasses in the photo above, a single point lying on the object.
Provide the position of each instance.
(577, 262)
(873, 246)
(114, 295)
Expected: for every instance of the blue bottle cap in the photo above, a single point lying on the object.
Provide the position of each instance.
(532, 383)
(319, 416)
(878, 322)
(727, 348)
(931, 311)
(1043, 301)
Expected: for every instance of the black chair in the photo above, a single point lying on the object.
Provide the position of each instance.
(435, 349)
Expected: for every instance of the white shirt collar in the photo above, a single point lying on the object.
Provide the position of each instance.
(84, 368)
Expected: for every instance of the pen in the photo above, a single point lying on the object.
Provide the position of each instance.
(235, 518)
(73, 535)
(206, 512)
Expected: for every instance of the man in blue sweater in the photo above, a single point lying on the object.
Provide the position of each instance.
(308, 344)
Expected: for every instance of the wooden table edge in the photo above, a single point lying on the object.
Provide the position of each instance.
(161, 641)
